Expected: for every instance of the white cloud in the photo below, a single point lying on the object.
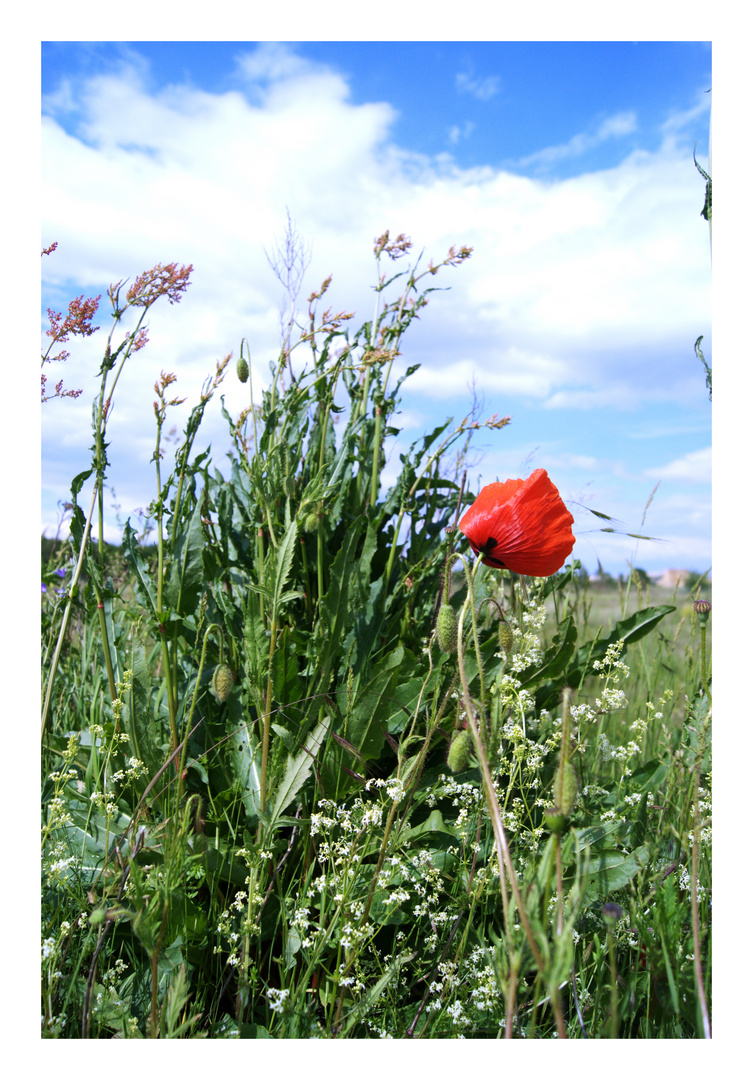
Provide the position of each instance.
(572, 288)
(612, 127)
(456, 133)
(695, 467)
(482, 88)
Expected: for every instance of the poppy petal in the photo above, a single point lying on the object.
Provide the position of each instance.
(520, 525)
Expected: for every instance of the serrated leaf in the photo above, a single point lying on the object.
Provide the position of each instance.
(244, 753)
(144, 584)
(185, 579)
(298, 769)
(284, 563)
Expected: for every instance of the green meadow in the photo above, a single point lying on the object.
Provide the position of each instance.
(281, 800)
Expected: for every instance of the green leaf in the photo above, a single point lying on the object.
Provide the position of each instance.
(611, 869)
(433, 824)
(333, 616)
(244, 754)
(369, 713)
(143, 583)
(146, 739)
(557, 656)
(369, 999)
(638, 624)
(283, 565)
(185, 579)
(298, 769)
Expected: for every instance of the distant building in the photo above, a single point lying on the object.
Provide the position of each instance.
(670, 579)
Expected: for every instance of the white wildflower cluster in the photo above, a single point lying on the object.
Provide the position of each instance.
(354, 933)
(115, 972)
(527, 640)
(594, 791)
(617, 753)
(612, 697)
(133, 770)
(479, 975)
(239, 919)
(394, 789)
(104, 801)
(612, 670)
(58, 816)
(339, 827)
(583, 714)
(611, 664)
(59, 864)
(686, 884)
(277, 999)
(468, 800)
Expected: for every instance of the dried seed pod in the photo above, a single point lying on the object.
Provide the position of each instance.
(223, 681)
(447, 628)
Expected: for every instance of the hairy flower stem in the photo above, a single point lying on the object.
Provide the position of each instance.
(503, 852)
(181, 767)
(267, 718)
(697, 971)
(506, 868)
(470, 579)
(172, 705)
(67, 614)
(704, 676)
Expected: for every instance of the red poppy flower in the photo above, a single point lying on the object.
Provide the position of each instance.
(521, 525)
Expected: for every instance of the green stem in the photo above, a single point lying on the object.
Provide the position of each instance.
(267, 717)
(704, 677)
(614, 1014)
(504, 859)
(67, 614)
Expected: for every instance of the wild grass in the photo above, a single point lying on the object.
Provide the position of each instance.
(277, 803)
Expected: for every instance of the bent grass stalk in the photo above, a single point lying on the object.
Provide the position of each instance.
(66, 616)
(506, 869)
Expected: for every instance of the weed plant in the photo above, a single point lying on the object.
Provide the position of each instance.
(279, 799)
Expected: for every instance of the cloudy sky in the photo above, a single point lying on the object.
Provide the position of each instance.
(566, 166)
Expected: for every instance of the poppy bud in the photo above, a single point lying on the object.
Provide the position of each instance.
(554, 820)
(311, 520)
(223, 681)
(565, 788)
(505, 636)
(447, 628)
(242, 369)
(460, 751)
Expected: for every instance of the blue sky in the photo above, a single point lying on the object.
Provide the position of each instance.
(567, 166)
